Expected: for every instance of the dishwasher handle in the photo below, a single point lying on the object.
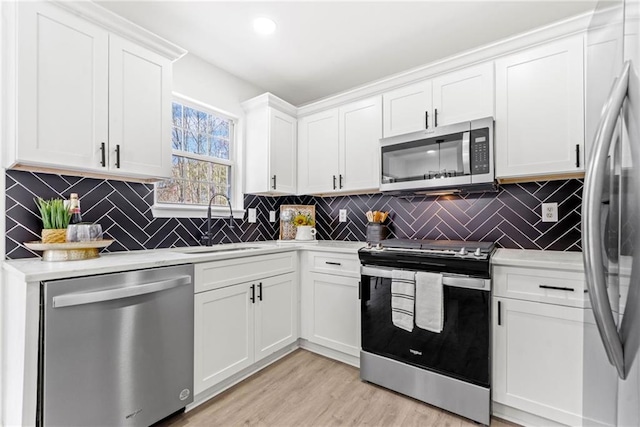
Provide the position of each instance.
(81, 298)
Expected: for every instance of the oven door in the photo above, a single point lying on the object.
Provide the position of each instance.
(460, 351)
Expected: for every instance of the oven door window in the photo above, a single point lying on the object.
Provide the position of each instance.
(431, 158)
(461, 350)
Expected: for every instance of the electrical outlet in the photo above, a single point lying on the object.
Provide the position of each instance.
(343, 215)
(272, 216)
(252, 214)
(549, 212)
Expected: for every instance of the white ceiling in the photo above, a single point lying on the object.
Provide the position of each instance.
(324, 47)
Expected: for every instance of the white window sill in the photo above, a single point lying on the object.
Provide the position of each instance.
(187, 211)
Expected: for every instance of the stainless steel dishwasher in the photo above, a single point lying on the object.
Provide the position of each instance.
(116, 349)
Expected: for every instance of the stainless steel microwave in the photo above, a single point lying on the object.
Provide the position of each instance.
(457, 157)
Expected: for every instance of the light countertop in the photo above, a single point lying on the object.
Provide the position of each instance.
(529, 258)
(35, 270)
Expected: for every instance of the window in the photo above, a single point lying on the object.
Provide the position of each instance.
(202, 157)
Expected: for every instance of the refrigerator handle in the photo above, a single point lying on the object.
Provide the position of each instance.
(592, 238)
(81, 298)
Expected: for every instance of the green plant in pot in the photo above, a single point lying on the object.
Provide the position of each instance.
(55, 220)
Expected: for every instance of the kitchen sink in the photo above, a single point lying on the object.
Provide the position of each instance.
(213, 249)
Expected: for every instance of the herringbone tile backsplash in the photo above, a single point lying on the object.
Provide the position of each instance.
(511, 217)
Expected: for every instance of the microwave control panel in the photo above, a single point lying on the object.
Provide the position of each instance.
(480, 151)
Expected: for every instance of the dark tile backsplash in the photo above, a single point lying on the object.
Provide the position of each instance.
(511, 217)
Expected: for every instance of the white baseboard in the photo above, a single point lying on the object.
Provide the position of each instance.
(521, 417)
(330, 353)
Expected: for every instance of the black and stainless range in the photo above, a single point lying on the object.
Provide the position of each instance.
(451, 368)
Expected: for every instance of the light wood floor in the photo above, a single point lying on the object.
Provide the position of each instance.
(305, 389)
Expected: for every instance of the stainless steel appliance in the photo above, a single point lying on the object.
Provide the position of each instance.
(116, 349)
(449, 369)
(457, 157)
(610, 217)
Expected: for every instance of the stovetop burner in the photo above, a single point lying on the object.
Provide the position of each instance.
(465, 257)
(452, 248)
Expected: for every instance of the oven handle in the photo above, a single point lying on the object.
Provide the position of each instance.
(456, 281)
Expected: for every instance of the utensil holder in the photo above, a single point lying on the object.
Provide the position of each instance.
(376, 232)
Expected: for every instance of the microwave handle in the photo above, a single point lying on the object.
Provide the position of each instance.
(466, 153)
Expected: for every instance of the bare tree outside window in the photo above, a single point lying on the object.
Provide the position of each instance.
(202, 162)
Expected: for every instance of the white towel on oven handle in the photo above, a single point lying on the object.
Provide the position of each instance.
(429, 312)
(403, 289)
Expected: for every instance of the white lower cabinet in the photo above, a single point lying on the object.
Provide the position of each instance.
(330, 304)
(239, 324)
(335, 317)
(537, 359)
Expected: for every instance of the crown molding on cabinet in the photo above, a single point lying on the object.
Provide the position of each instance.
(270, 100)
(571, 26)
(124, 28)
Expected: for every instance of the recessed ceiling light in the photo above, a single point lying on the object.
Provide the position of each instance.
(264, 26)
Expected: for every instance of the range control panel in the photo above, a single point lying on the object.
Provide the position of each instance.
(480, 151)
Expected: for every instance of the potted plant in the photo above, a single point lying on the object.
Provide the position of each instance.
(55, 220)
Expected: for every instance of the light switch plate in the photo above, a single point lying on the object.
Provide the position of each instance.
(549, 212)
(272, 216)
(252, 214)
(343, 215)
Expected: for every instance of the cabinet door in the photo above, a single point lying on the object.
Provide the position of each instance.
(282, 152)
(463, 95)
(537, 359)
(276, 314)
(139, 110)
(318, 144)
(407, 109)
(62, 86)
(335, 313)
(223, 334)
(360, 133)
(539, 110)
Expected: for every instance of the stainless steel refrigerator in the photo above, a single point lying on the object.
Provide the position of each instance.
(611, 217)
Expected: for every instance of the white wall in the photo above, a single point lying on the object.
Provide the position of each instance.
(200, 80)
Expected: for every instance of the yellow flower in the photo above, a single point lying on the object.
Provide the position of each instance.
(302, 219)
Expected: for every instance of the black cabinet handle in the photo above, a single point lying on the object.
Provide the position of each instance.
(340, 180)
(577, 155)
(253, 294)
(499, 313)
(274, 182)
(334, 182)
(557, 288)
(118, 156)
(103, 154)
(260, 291)
(435, 118)
(426, 120)
(360, 290)
(332, 263)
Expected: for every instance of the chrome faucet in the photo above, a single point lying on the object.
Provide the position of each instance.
(206, 239)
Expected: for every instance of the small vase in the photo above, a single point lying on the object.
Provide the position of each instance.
(305, 232)
(54, 235)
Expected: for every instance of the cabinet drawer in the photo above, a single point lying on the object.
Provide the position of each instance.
(218, 274)
(341, 264)
(548, 286)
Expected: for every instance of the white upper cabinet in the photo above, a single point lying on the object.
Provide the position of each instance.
(407, 109)
(360, 133)
(271, 139)
(339, 148)
(319, 147)
(87, 99)
(463, 95)
(540, 110)
(139, 113)
(62, 88)
(454, 97)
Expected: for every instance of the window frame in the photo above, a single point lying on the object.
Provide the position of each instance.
(178, 210)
